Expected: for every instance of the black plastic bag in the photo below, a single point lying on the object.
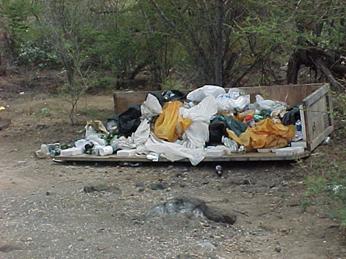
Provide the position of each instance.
(129, 120)
(172, 95)
(217, 129)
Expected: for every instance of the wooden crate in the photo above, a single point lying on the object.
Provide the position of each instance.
(314, 101)
(315, 105)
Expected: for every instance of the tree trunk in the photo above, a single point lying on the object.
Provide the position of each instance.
(328, 64)
(218, 66)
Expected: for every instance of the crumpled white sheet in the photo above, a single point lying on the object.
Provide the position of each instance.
(137, 139)
(198, 133)
(208, 90)
(233, 101)
(93, 136)
(263, 104)
(173, 151)
(151, 107)
(217, 151)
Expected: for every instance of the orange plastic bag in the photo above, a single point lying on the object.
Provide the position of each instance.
(170, 125)
(265, 134)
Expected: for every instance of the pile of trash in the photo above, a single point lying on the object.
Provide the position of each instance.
(207, 122)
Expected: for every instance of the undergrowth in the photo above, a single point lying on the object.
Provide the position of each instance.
(326, 173)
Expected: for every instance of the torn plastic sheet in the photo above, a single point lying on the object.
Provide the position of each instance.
(151, 107)
(173, 151)
(198, 133)
(208, 90)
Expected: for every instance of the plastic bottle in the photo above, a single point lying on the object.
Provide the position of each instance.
(299, 132)
(231, 144)
(249, 120)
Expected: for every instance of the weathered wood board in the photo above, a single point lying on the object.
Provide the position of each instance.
(141, 158)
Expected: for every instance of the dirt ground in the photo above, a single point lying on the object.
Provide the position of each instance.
(44, 212)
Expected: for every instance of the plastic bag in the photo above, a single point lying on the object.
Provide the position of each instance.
(265, 134)
(172, 95)
(204, 91)
(151, 107)
(217, 151)
(170, 125)
(129, 120)
(233, 101)
(142, 133)
(271, 105)
(173, 151)
(198, 133)
(93, 136)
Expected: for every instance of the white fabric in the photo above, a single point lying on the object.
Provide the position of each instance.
(263, 104)
(151, 107)
(198, 133)
(208, 90)
(142, 133)
(173, 151)
(233, 101)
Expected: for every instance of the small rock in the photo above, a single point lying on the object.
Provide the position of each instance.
(285, 231)
(179, 174)
(141, 189)
(158, 186)
(207, 245)
(9, 248)
(246, 182)
(277, 249)
(284, 183)
(140, 184)
(101, 187)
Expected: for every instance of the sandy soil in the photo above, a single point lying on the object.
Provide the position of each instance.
(44, 212)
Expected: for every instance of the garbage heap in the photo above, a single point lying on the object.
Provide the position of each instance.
(207, 122)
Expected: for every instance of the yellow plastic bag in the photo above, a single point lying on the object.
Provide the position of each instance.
(170, 125)
(265, 134)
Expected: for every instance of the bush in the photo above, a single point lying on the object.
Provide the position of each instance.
(37, 54)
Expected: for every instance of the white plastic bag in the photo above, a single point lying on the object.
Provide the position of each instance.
(93, 136)
(233, 101)
(204, 91)
(263, 104)
(201, 112)
(173, 151)
(151, 107)
(198, 133)
(217, 151)
(142, 133)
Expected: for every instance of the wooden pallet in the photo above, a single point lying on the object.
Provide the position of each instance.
(142, 158)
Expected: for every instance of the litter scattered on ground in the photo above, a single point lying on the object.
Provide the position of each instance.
(210, 122)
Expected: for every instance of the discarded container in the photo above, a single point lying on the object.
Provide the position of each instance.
(73, 151)
(313, 101)
(105, 151)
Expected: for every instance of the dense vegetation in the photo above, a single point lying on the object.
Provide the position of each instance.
(230, 43)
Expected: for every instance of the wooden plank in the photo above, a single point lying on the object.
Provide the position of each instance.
(315, 96)
(142, 158)
(292, 94)
(303, 121)
(317, 114)
(319, 139)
